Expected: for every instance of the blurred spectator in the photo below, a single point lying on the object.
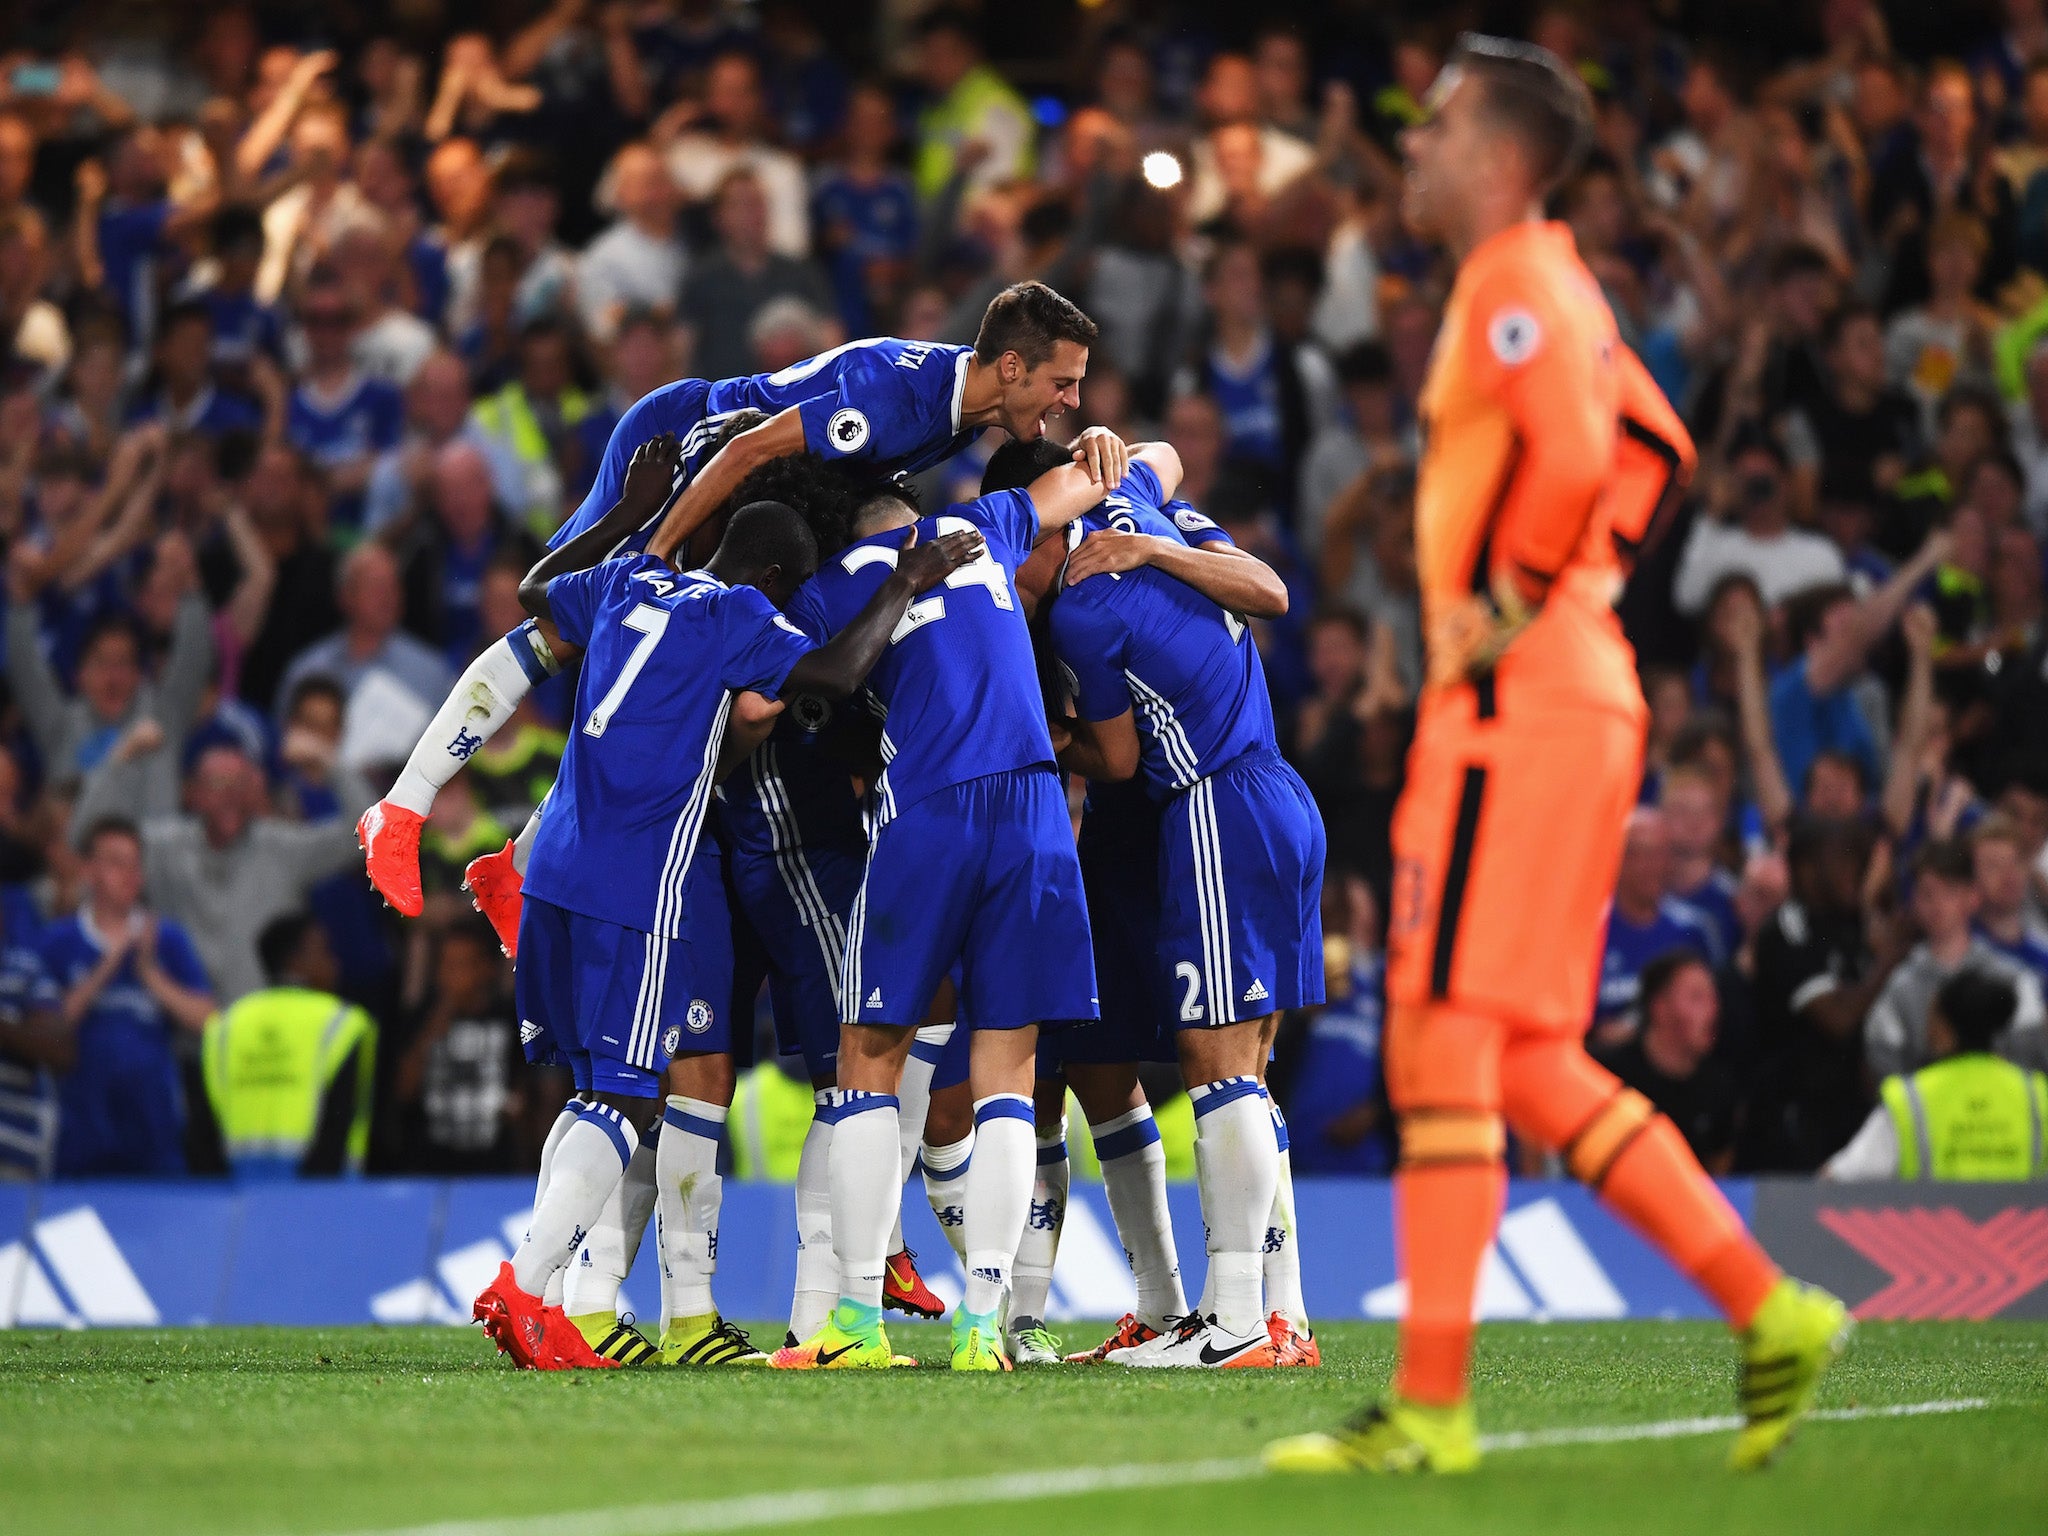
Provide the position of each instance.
(1669, 1057)
(864, 214)
(301, 227)
(132, 983)
(125, 222)
(390, 342)
(36, 1048)
(1952, 171)
(459, 1086)
(451, 549)
(975, 124)
(1936, 345)
(437, 413)
(340, 418)
(728, 288)
(732, 138)
(1645, 922)
(1820, 963)
(184, 397)
(370, 644)
(1760, 542)
(244, 326)
(226, 868)
(1236, 149)
(532, 421)
(2005, 918)
(1337, 1115)
(1944, 900)
(290, 1068)
(638, 262)
(1966, 1115)
(121, 724)
(31, 327)
(286, 511)
(1362, 437)
(1859, 435)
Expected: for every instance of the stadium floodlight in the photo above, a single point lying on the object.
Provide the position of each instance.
(1161, 170)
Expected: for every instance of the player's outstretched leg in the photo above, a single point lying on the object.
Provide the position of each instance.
(484, 698)
(592, 1280)
(1028, 1340)
(1635, 1160)
(588, 1163)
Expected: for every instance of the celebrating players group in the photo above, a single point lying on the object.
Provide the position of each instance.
(824, 757)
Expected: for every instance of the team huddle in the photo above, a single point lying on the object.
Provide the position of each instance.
(832, 757)
(944, 951)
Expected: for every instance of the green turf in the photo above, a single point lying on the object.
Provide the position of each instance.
(309, 1431)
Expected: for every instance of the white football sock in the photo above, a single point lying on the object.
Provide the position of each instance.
(686, 1174)
(483, 700)
(1039, 1246)
(998, 1196)
(914, 1103)
(587, 1165)
(945, 1186)
(553, 1295)
(817, 1271)
(1237, 1164)
(522, 845)
(1134, 1177)
(591, 1284)
(866, 1190)
(1283, 1236)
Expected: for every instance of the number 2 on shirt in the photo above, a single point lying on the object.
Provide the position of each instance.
(979, 572)
(652, 622)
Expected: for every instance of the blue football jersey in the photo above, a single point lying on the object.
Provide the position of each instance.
(1143, 640)
(793, 792)
(957, 680)
(663, 654)
(893, 403)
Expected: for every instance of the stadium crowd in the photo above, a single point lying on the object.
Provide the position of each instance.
(311, 347)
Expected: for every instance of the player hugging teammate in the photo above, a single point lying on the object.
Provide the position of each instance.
(724, 712)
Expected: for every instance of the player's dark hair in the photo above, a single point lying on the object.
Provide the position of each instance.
(278, 944)
(1016, 464)
(1030, 319)
(108, 826)
(744, 420)
(765, 533)
(822, 497)
(1977, 1005)
(1535, 96)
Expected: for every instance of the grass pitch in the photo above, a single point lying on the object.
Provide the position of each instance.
(307, 1432)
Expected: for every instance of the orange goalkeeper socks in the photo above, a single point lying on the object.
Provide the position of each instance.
(1445, 1216)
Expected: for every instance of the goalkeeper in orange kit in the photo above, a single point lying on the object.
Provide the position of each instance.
(1549, 455)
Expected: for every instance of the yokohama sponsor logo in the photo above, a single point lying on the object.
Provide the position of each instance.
(1940, 1262)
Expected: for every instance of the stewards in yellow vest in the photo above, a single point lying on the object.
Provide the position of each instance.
(290, 1069)
(770, 1115)
(1970, 1115)
(534, 419)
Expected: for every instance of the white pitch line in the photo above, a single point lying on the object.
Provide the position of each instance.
(755, 1511)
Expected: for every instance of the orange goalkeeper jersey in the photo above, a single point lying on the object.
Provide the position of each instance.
(1548, 452)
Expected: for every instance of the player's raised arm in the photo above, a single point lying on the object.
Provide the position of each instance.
(839, 666)
(779, 435)
(648, 481)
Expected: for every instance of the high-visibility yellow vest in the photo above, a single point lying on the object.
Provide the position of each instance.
(950, 122)
(1973, 1116)
(508, 417)
(269, 1061)
(770, 1116)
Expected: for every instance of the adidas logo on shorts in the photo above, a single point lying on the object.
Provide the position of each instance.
(1256, 992)
(874, 999)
